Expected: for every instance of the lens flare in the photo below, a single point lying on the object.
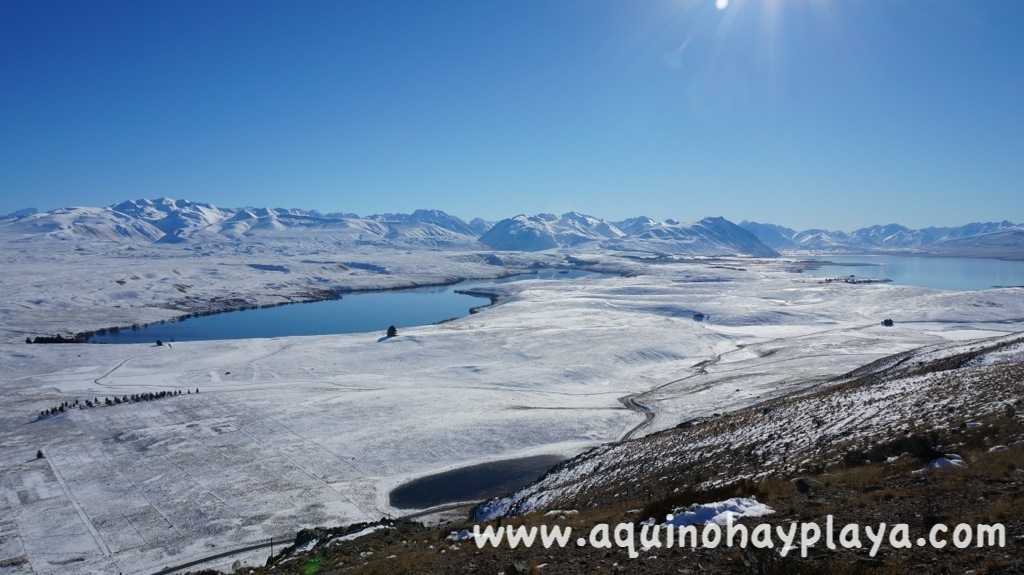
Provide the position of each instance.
(721, 4)
(674, 59)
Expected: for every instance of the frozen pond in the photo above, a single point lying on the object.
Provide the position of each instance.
(354, 313)
(931, 272)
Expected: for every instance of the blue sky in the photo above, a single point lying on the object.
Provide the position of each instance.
(806, 113)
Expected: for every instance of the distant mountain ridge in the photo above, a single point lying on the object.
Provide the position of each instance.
(169, 221)
(979, 238)
(183, 221)
(708, 236)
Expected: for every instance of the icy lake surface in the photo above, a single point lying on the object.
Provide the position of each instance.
(354, 313)
(938, 273)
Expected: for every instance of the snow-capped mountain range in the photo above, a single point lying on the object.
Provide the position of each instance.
(183, 221)
(707, 236)
(167, 221)
(980, 238)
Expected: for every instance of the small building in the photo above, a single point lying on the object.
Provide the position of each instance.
(698, 317)
(887, 322)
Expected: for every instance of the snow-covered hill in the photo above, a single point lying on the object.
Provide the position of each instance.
(708, 236)
(82, 223)
(177, 219)
(925, 391)
(435, 217)
(182, 221)
(546, 231)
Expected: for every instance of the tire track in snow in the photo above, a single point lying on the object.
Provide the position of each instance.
(112, 370)
(632, 402)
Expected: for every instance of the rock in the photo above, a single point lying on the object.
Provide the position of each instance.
(944, 463)
(304, 536)
(806, 484)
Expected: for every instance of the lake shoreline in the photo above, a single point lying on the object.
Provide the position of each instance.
(330, 294)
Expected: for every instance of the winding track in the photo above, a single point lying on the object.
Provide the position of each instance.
(632, 403)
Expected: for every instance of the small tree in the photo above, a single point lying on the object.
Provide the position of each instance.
(159, 343)
(392, 331)
(28, 340)
(39, 454)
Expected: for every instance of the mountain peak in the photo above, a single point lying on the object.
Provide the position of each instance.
(428, 216)
(22, 213)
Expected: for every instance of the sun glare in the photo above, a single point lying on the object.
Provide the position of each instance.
(721, 4)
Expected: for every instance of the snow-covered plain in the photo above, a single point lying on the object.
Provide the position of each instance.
(303, 431)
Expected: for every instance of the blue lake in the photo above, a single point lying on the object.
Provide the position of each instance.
(472, 483)
(355, 312)
(930, 272)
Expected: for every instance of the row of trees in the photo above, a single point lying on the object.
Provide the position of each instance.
(95, 402)
(55, 339)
